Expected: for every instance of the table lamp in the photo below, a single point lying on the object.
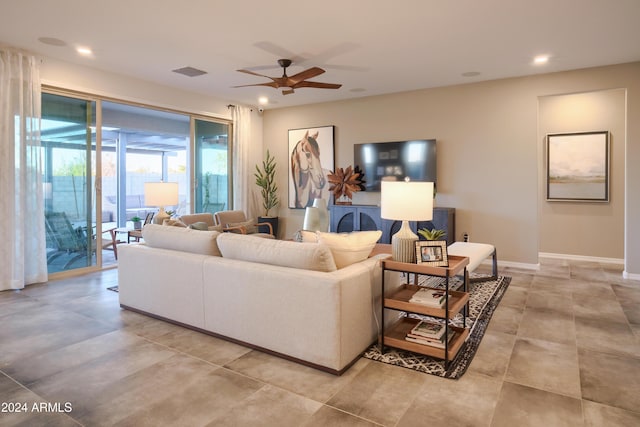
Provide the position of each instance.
(406, 201)
(316, 218)
(160, 194)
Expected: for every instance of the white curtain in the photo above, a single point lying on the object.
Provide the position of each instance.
(22, 244)
(245, 153)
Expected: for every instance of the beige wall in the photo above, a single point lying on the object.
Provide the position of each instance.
(74, 77)
(570, 227)
(488, 152)
(489, 149)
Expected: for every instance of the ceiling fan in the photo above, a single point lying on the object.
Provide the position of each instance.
(288, 84)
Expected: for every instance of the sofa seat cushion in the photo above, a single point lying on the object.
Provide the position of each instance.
(307, 256)
(349, 248)
(181, 239)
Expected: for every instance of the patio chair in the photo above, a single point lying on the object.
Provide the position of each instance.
(66, 239)
(137, 234)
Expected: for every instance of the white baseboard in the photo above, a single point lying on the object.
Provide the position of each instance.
(630, 276)
(513, 264)
(617, 261)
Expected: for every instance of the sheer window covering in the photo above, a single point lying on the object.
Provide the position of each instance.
(247, 152)
(22, 243)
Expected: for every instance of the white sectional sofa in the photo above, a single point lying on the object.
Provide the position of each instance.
(282, 297)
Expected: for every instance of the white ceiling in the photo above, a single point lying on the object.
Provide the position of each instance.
(370, 46)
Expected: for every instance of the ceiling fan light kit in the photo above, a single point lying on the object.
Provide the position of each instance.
(288, 84)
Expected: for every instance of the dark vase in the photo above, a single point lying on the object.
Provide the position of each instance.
(273, 220)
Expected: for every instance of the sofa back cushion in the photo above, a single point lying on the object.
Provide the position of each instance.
(307, 256)
(349, 248)
(181, 239)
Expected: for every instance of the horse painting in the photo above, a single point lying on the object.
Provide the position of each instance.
(309, 179)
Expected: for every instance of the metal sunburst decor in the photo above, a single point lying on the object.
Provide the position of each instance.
(344, 182)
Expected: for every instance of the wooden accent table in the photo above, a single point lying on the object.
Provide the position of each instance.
(455, 302)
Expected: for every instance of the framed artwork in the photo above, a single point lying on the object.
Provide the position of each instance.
(432, 252)
(311, 160)
(578, 167)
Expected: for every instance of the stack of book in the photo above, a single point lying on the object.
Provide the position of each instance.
(430, 297)
(430, 333)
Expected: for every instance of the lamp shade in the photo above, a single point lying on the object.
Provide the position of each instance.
(160, 193)
(406, 201)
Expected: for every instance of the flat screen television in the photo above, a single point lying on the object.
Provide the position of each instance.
(396, 160)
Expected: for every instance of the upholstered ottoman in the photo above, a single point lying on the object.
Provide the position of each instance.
(476, 252)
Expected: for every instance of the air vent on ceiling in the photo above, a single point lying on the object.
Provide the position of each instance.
(189, 71)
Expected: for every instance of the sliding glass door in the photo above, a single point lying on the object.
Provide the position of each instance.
(68, 144)
(212, 167)
(135, 145)
(141, 145)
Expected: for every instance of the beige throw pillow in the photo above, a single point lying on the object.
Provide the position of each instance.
(349, 248)
(202, 226)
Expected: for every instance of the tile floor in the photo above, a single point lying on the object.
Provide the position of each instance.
(562, 349)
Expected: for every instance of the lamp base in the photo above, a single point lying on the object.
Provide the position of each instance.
(403, 244)
(160, 217)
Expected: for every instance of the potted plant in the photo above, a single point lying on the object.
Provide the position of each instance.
(433, 234)
(137, 222)
(265, 179)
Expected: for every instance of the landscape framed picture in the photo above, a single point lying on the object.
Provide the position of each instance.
(578, 167)
(432, 252)
(311, 160)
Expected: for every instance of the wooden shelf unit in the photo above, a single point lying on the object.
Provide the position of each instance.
(399, 299)
(394, 337)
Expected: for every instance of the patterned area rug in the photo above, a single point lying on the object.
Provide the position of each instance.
(483, 300)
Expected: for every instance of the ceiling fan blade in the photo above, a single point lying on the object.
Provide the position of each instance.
(306, 74)
(318, 85)
(253, 73)
(279, 51)
(270, 84)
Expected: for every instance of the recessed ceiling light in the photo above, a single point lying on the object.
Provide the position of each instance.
(84, 51)
(541, 59)
(52, 41)
(471, 74)
(263, 100)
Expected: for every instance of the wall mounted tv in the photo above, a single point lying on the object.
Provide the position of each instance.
(396, 160)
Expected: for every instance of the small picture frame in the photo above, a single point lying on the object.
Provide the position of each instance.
(432, 252)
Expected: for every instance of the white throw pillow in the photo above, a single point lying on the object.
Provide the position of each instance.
(181, 239)
(306, 256)
(349, 248)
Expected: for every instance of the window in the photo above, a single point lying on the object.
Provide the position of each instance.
(136, 145)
